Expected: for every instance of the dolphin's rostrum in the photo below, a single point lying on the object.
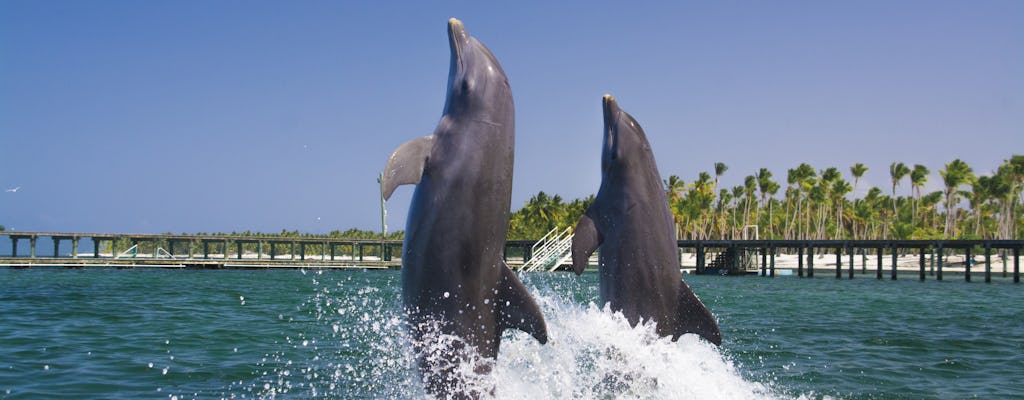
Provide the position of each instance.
(631, 222)
(456, 289)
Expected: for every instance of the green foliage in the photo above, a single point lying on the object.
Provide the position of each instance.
(811, 207)
(542, 213)
(820, 205)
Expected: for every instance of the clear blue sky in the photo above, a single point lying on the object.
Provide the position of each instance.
(189, 116)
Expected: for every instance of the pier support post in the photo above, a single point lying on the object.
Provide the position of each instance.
(810, 261)
(95, 247)
(878, 261)
(839, 263)
(273, 250)
(74, 247)
(895, 260)
(931, 266)
(1016, 265)
(922, 264)
(700, 257)
(988, 262)
(1002, 256)
(206, 250)
(302, 251)
(863, 261)
(734, 263)
(332, 251)
(968, 259)
(14, 246)
(56, 247)
(849, 251)
(32, 247)
(938, 272)
(764, 261)
(771, 270)
(360, 252)
(800, 262)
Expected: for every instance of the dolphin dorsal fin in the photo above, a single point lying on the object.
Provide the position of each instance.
(405, 166)
(516, 308)
(585, 239)
(694, 317)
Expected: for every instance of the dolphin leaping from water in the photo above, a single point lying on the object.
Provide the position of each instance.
(454, 280)
(631, 222)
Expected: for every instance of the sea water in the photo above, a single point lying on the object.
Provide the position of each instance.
(296, 334)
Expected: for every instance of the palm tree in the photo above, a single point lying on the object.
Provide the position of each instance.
(897, 171)
(955, 174)
(674, 187)
(1013, 172)
(764, 181)
(829, 176)
(918, 177)
(983, 189)
(857, 170)
(720, 169)
(737, 194)
(929, 213)
(749, 186)
(724, 198)
(701, 198)
(840, 188)
(805, 178)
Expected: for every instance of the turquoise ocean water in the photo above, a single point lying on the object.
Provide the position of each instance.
(162, 334)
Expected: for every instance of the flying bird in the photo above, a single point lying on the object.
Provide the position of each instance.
(15, 190)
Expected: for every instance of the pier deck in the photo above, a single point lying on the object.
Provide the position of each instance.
(889, 257)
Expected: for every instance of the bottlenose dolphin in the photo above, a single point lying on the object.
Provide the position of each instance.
(454, 280)
(630, 221)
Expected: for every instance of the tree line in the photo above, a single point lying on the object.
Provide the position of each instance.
(813, 204)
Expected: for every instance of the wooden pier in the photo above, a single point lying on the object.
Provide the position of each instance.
(198, 251)
(708, 256)
(729, 256)
(208, 251)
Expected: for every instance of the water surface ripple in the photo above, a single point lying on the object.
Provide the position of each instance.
(107, 333)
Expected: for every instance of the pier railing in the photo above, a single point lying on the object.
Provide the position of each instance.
(196, 250)
(932, 255)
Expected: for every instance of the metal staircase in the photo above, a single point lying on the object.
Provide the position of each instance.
(551, 251)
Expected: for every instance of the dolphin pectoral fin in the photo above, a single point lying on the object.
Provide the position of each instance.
(694, 317)
(405, 166)
(585, 240)
(516, 308)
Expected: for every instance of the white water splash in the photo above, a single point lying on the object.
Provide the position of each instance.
(595, 354)
(362, 349)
